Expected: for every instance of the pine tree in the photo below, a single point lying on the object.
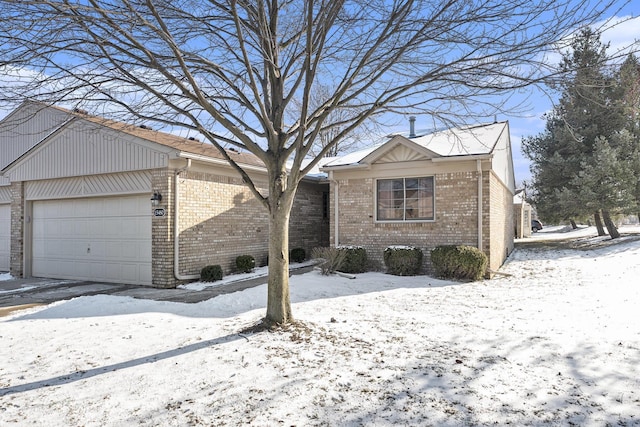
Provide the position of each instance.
(629, 88)
(587, 116)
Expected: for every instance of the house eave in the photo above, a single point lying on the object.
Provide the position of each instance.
(345, 167)
(465, 157)
(220, 162)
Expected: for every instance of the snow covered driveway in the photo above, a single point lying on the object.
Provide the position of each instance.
(557, 342)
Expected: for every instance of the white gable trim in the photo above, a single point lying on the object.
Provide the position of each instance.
(383, 153)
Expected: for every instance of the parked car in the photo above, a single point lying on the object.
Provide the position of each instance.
(536, 225)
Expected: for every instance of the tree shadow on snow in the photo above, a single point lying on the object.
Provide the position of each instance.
(85, 374)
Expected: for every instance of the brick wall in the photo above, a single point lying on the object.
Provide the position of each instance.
(501, 223)
(220, 219)
(162, 231)
(16, 266)
(309, 223)
(522, 220)
(456, 220)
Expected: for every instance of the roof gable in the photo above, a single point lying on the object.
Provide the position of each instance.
(26, 127)
(41, 142)
(463, 142)
(81, 148)
(398, 149)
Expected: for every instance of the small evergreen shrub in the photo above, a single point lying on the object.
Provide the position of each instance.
(459, 262)
(403, 260)
(297, 255)
(355, 260)
(211, 273)
(245, 263)
(329, 259)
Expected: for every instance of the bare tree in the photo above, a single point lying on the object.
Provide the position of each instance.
(231, 70)
(335, 123)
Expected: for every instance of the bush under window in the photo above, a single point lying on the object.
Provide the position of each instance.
(403, 260)
(459, 262)
(355, 260)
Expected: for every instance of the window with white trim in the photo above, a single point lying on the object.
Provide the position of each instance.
(405, 199)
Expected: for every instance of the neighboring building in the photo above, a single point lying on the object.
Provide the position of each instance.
(76, 202)
(453, 187)
(521, 215)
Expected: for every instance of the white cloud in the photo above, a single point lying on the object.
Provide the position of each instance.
(622, 34)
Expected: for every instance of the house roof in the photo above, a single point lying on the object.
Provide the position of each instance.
(454, 142)
(169, 140)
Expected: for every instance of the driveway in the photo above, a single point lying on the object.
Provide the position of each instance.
(16, 294)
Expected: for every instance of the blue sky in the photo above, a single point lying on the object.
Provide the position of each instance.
(539, 101)
(619, 36)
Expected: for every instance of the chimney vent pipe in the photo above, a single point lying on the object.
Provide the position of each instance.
(412, 126)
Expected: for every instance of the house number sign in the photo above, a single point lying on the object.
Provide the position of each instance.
(158, 212)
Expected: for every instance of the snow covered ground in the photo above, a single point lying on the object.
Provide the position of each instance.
(554, 341)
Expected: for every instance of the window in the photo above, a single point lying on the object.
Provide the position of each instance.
(405, 199)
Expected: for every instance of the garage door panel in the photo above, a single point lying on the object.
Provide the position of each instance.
(110, 239)
(5, 236)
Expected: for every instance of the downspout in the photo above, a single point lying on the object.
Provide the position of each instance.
(336, 220)
(479, 168)
(176, 234)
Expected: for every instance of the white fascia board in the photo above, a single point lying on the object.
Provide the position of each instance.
(463, 158)
(345, 167)
(220, 162)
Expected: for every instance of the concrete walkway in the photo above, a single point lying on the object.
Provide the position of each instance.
(22, 293)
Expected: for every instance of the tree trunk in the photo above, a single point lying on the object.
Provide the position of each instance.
(611, 227)
(280, 203)
(599, 226)
(278, 298)
(573, 224)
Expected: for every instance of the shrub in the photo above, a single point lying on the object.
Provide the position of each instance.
(329, 259)
(297, 255)
(355, 260)
(211, 273)
(403, 260)
(459, 262)
(245, 263)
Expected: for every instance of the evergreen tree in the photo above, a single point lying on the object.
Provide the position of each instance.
(586, 117)
(629, 88)
(605, 182)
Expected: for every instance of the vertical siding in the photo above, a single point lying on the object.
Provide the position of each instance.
(24, 128)
(83, 149)
(502, 163)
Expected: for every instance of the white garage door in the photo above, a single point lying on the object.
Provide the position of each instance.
(100, 239)
(5, 236)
